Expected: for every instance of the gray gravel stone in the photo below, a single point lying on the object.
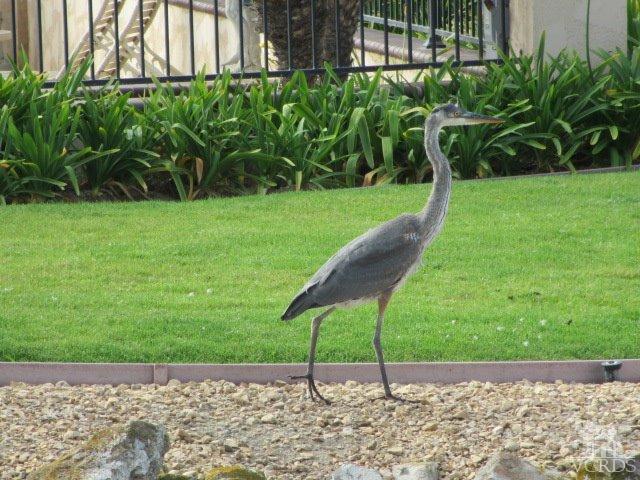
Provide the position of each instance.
(508, 466)
(120, 453)
(425, 471)
(350, 471)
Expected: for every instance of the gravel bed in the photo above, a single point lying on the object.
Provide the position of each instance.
(276, 429)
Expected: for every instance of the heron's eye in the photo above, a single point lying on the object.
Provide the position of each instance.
(456, 114)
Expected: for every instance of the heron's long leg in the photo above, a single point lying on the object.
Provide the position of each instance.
(315, 329)
(383, 301)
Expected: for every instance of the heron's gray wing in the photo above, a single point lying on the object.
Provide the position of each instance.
(369, 265)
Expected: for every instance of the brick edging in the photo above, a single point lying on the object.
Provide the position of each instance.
(580, 371)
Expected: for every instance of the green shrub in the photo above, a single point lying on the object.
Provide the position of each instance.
(123, 137)
(483, 150)
(41, 141)
(623, 97)
(229, 137)
(297, 130)
(633, 24)
(564, 107)
(203, 135)
(13, 174)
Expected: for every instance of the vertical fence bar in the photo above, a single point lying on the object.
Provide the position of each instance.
(409, 5)
(421, 13)
(192, 44)
(65, 33)
(241, 34)
(362, 59)
(456, 13)
(216, 32)
(433, 14)
(474, 12)
(426, 18)
(467, 16)
(337, 29)
(289, 66)
(167, 52)
(480, 31)
(265, 29)
(386, 31)
(313, 33)
(504, 42)
(91, 39)
(141, 15)
(116, 26)
(14, 31)
(40, 44)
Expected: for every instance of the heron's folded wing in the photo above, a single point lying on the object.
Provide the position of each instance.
(369, 265)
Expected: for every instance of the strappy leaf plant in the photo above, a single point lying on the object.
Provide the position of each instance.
(111, 126)
(42, 143)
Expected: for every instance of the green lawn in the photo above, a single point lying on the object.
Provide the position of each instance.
(538, 268)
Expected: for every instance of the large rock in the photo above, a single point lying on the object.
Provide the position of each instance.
(608, 466)
(350, 471)
(508, 466)
(131, 452)
(234, 473)
(424, 471)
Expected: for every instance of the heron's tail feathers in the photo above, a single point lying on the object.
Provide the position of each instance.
(299, 305)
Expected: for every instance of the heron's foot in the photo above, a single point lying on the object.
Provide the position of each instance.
(311, 385)
(395, 398)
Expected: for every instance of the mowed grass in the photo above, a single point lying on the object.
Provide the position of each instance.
(537, 268)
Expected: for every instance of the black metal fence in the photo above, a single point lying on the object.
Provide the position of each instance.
(135, 41)
(468, 13)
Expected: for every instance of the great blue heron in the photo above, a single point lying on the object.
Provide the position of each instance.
(377, 263)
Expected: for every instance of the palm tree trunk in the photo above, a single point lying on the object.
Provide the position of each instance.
(324, 30)
(346, 14)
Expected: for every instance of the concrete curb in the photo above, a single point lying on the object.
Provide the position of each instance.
(579, 371)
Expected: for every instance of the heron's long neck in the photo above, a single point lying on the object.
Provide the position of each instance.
(432, 215)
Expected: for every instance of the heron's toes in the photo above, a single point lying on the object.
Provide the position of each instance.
(313, 388)
(311, 385)
(395, 398)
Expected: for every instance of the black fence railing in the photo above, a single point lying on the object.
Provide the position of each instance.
(135, 41)
(445, 13)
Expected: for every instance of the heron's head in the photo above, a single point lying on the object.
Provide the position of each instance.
(452, 115)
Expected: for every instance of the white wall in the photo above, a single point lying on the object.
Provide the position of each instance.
(564, 22)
